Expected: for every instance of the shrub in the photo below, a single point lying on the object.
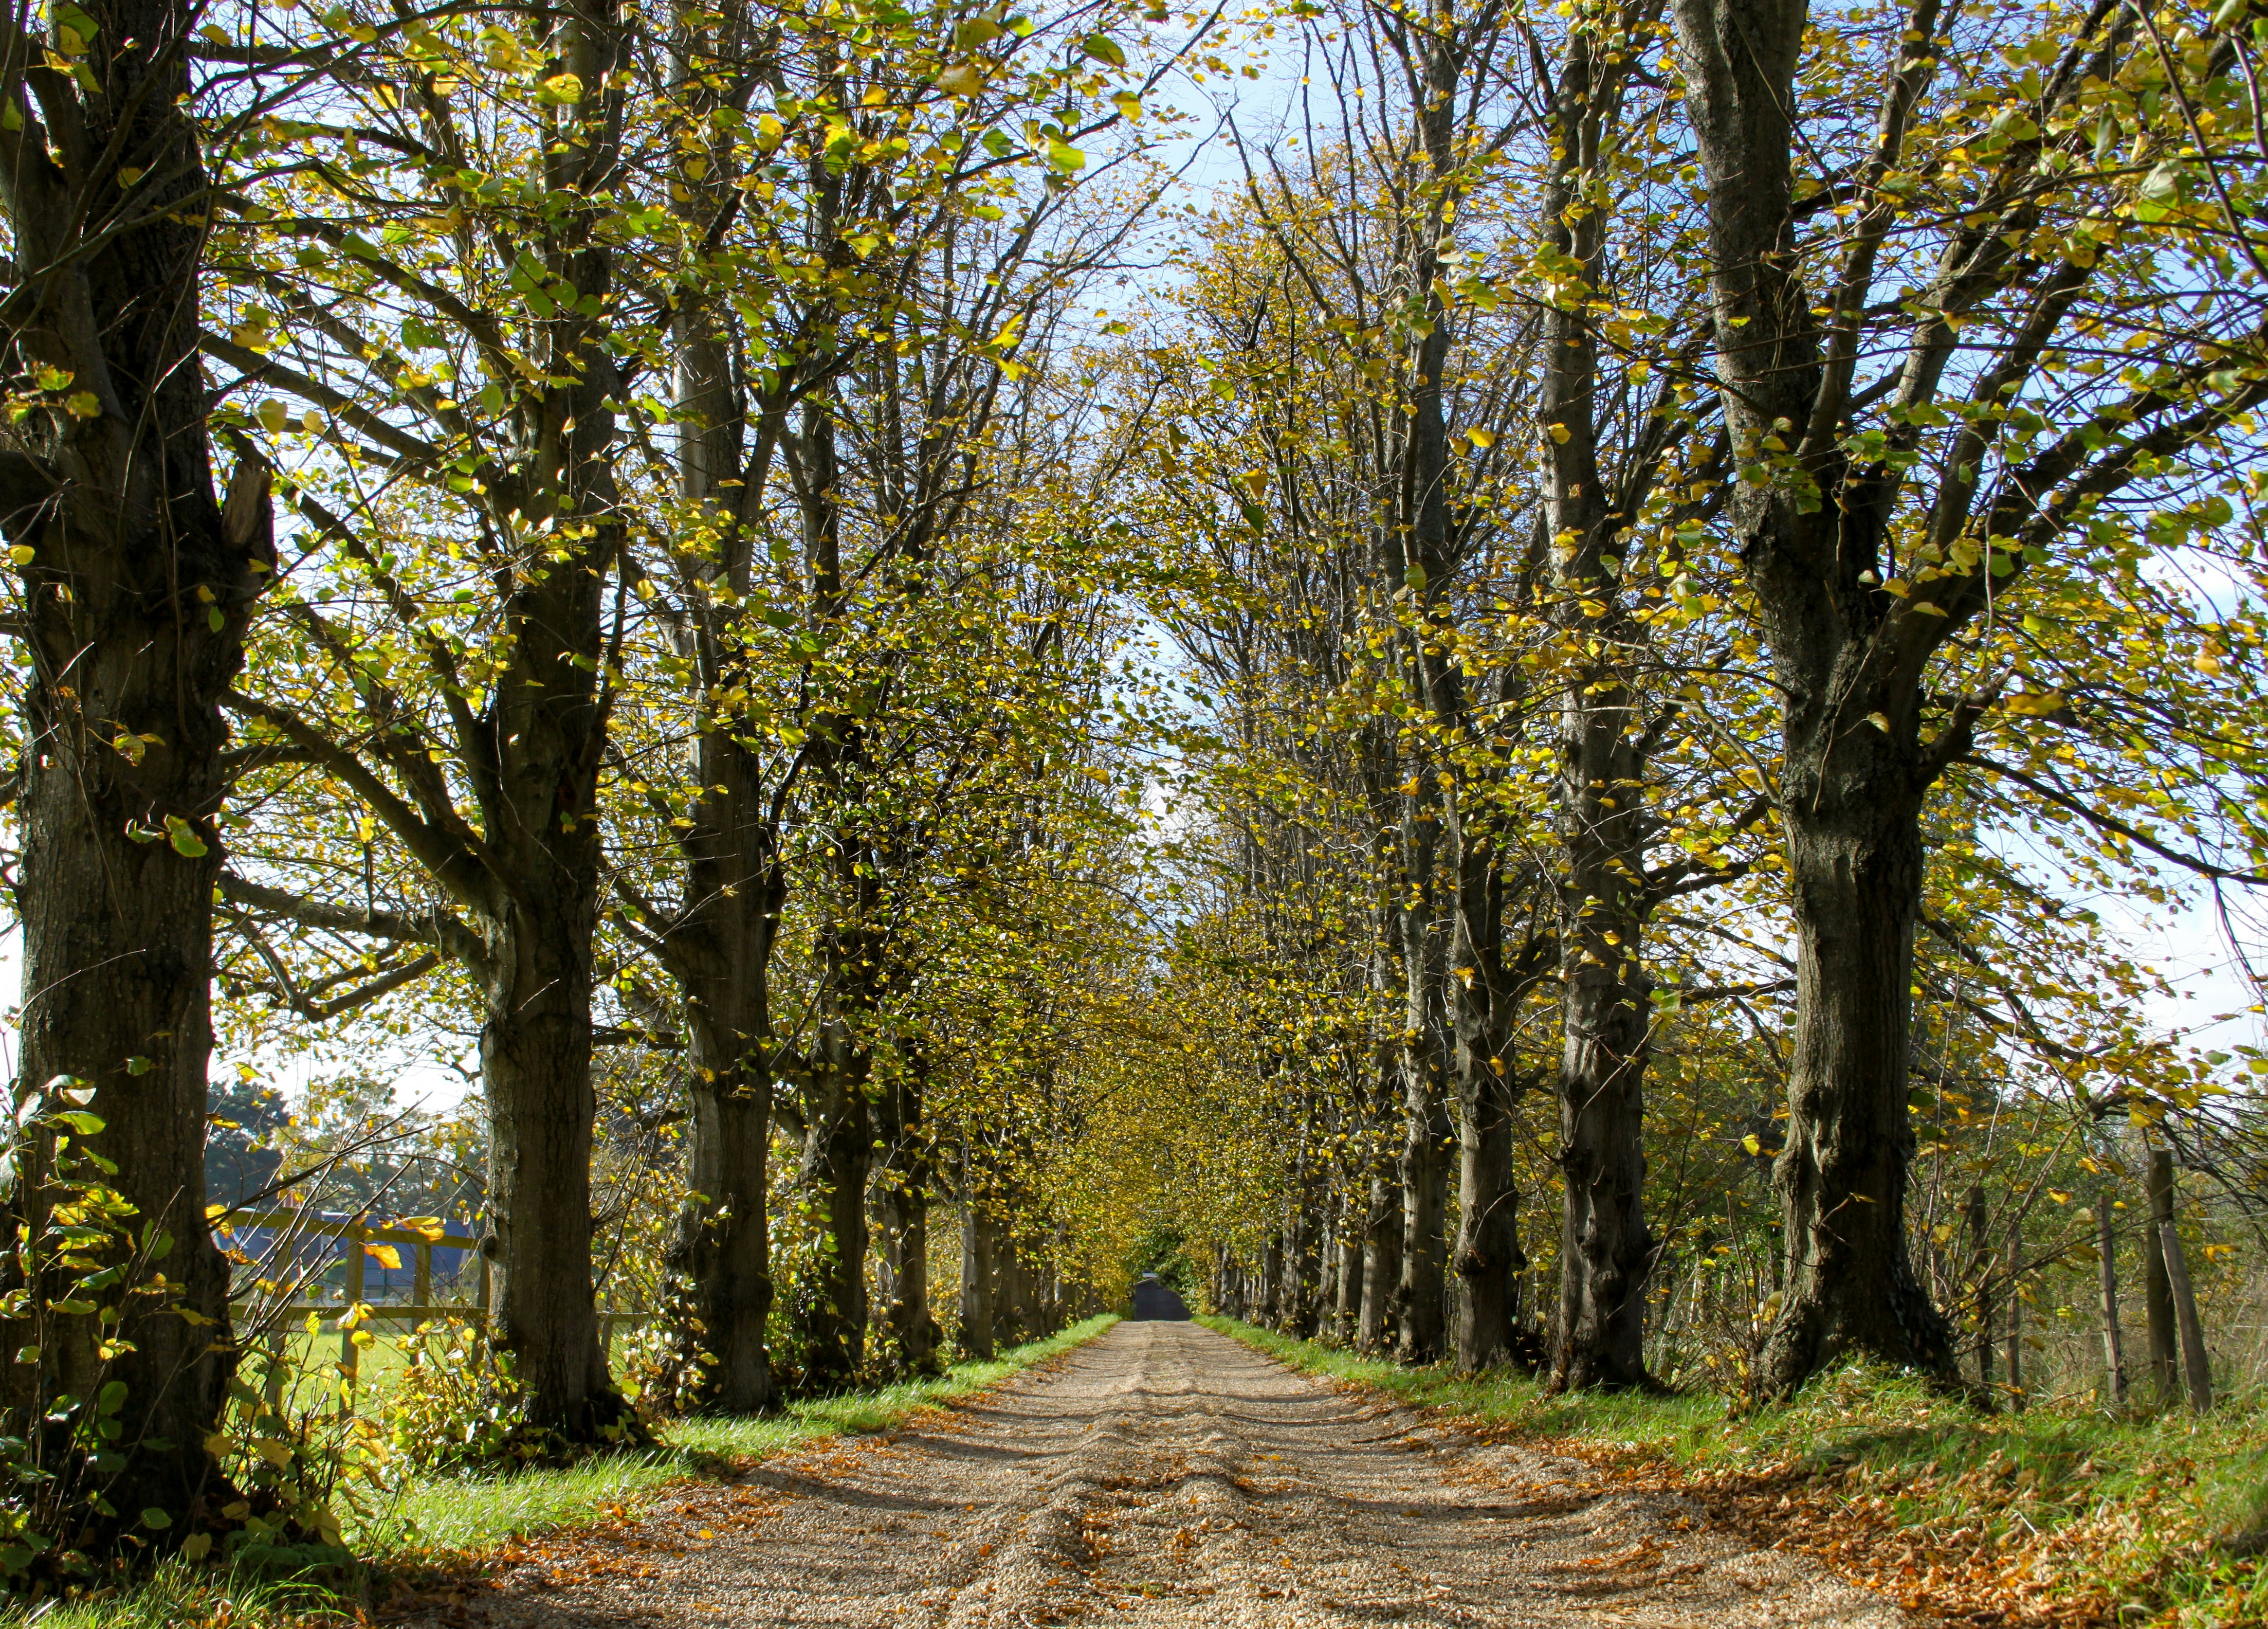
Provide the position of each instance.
(72, 1255)
(453, 1405)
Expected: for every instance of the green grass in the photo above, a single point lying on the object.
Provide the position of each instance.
(448, 1514)
(432, 1521)
(176, 1595)
(2144, 1510)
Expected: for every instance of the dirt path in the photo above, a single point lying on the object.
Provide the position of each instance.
(1167, 1475)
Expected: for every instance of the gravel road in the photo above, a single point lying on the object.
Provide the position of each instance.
(1165, 1475)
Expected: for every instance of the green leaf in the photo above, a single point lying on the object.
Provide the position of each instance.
(1103, 49)
(184, 838)
(154, 1518)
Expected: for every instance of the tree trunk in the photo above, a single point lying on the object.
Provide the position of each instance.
(1302, 1259)
(1346, 1312)
(719, 951)
(1606, 1254)
(901, 1216)
(134, 601)
(718, 947)
(2157, 1285)
(1847, 657)
(547, 732)
(1980, 1271)
(1381, 1263)
(2106, 1257)
(536, 1065)
(1011, 1311)
(2015, 1347)
(1488, 1237)
(838, 1153)
(978, 1229)
(1420, 1306)
(1855, 858)
(722, 1254)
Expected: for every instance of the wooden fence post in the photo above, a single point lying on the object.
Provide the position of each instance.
(279, 1350)
(349, 1353)
(2196, 1365)
(2157, 1286)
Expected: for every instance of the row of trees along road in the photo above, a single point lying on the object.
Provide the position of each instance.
(1694, 498)
(1698, 543)
(649, 600)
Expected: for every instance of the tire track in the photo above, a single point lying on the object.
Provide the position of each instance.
(1165, 1476)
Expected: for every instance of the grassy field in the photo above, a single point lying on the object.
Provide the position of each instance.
(432, 1522)
(2054, 1514)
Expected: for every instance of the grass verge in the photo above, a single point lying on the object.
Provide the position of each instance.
(436, 1520)
(2062, 1515)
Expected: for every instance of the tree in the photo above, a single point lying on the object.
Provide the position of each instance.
(1984, 233)
(470, 727)
(136, 584)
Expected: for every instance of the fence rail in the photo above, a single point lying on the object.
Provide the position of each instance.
(291, 1226)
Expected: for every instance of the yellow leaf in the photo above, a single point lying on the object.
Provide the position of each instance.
(385, 1254)
(1880, 721)
(1560, 433)
(1487, 438)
